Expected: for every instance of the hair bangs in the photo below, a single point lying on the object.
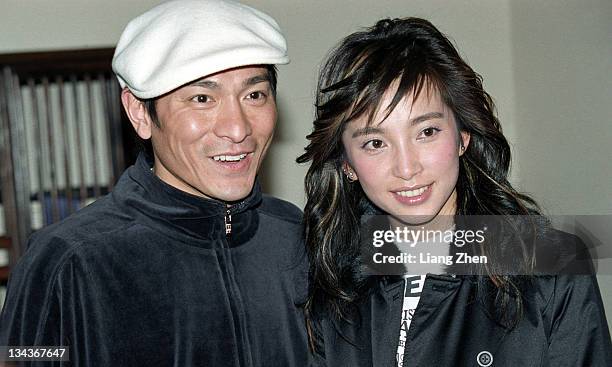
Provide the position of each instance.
(407, 75)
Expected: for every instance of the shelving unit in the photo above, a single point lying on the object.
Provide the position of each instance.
(64, 139)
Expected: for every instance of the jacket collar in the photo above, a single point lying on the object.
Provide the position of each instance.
(146, 196)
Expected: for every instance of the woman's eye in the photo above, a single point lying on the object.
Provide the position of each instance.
(429, 132)
(374, 144)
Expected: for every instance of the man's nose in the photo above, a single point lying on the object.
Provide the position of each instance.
(407, 163)
(232, 122)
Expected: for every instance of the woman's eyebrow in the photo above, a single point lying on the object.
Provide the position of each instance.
(367, 131)
(413, 121)
(425, 117)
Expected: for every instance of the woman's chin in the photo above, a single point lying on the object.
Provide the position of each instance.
(413, 219)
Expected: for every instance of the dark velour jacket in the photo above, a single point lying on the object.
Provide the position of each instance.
(147, 276)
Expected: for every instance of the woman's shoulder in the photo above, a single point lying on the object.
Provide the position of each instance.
(562, 253)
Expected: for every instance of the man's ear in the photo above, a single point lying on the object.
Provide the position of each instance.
(137, 113)
(465, 141)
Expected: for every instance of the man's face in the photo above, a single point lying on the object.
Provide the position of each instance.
(214, 133)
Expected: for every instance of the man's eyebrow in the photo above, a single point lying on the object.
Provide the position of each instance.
(205, 84)
(247, 83)
(256, 80)
(367, 131)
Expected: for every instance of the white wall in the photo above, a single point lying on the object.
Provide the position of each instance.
(562, 52)
(47, 25)
(563, 71)
(547, 63)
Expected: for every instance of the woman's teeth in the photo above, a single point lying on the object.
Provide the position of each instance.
(412, 193)
(229, 158)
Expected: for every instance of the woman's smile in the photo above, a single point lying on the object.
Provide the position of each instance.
(415, 196)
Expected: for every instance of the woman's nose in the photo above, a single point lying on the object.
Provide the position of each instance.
(407, 163)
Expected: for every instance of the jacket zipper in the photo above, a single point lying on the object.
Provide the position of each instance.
(228, 222)
(235, 298)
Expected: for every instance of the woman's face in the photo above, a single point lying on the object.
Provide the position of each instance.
(408, 164)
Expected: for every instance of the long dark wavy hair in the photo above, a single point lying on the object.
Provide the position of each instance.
(351, 83)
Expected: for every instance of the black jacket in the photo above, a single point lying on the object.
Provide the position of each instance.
(563, 324)
(146, 276)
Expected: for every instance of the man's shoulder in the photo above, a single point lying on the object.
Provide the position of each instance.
(281, 209)
(99, 216)
(96, 222)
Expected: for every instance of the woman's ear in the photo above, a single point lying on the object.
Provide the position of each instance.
(349, 172)
(465, 141)
(137, 113)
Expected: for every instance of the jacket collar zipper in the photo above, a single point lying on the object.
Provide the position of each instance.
(228, 222)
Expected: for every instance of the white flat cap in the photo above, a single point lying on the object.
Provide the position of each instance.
(183, 40)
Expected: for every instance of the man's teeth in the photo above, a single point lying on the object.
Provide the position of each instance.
(412, 193)
(229, 158)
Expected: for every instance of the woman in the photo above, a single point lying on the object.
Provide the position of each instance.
(404, 128)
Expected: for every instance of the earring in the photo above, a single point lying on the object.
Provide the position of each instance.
(350, 175)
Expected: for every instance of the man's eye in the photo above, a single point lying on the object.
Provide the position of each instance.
(256, 95)
(373, 144)
(201, 98)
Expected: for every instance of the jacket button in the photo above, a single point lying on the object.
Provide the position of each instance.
(484, 359)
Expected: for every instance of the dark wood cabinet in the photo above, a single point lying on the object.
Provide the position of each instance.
(64, 138)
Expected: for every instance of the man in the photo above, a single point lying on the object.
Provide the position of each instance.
(185, 263)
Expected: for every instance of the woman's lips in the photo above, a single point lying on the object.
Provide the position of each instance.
(414, 196)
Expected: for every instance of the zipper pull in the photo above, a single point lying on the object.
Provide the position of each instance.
(228, 223)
